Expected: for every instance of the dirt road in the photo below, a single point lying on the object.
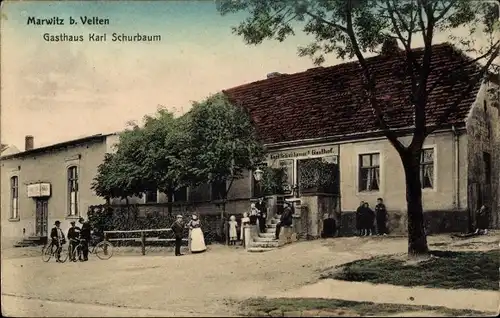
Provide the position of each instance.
(192, 285)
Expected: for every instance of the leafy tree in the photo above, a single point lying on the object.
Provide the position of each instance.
(222, 144)
(161, 151)
(119, 175)
(352, 28)
(145, 159)
(274, 180)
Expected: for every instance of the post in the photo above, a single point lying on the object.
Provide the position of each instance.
(143, 242)
(247, 235)
(105, 245)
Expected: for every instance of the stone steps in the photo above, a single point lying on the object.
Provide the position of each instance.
(265, 242)
(263, 239)
(267, 234)
(31, 241)
(269, 244)
(259, 249)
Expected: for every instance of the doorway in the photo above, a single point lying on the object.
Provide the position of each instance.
(41, 217)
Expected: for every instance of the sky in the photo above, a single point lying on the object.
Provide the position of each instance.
(58, 91)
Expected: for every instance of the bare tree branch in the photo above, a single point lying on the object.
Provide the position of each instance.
(335, 25)
(449, 75)
(407, 44)
(421, 94)
(370, 82)
(472, 82)
(445, 10)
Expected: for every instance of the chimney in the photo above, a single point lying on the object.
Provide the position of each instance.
(390, 47)
(273, 74)
(29, 143)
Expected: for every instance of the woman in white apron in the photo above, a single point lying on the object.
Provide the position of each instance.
(196, 238)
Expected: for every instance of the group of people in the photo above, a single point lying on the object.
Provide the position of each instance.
(76, 235)
(258, 214)
(233, 228)
(482, 220)
(196, 238)
(367, 219)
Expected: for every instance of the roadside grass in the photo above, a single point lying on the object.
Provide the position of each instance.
(317, 307)
(445, 269)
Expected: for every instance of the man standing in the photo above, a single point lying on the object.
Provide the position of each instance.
(482, 220)
(261, 206)
(370, 219)
(85, 238)
(360, 219)
(381, 215)
(73, 236)
(57, 236)
(178, 229)
(286, 219)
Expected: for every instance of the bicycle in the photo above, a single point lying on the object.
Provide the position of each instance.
(103, 250)
(52, 250)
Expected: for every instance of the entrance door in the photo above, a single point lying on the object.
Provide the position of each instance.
(41, 217)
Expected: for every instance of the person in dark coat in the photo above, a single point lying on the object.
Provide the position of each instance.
(85, 235)
(359, 218)
(58, 239)
(381, 215)
(73, 236)
(261, 206)
(286, 219)
(369, 217)
(482, 220)
(178, 229)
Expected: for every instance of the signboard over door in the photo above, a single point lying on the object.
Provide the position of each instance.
(37, 190)
(305, 153)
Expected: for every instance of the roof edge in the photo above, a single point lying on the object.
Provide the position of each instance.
(400, 132)
(57, 145)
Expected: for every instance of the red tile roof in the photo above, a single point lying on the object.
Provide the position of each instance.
(327, 101)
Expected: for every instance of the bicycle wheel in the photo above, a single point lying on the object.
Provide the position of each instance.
(104, 250)
(63, 256)
(47, 252)
(76, 253)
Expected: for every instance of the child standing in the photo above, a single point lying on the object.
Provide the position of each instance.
(233, 234)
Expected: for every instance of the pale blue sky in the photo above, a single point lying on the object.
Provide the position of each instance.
(61, 91)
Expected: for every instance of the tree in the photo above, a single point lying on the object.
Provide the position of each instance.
(146, 160)
(352, 28)
(119, 175)
(222, 145)
(161, 149)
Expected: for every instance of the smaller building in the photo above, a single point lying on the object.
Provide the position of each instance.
(45, 184)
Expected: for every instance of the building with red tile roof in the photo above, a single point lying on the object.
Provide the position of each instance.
(321, 114)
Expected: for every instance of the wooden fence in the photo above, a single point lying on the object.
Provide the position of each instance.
(142, 237)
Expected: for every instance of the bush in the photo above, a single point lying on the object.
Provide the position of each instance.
(125, 218)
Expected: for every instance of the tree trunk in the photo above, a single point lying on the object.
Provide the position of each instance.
(170, 199)
(417, 240)
(224, 222)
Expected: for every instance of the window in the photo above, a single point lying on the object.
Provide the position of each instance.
(218, 190)
(369, 172)
(151, 196)
(180, 195)
(487, 167)
(427, 168)
(14, 203)
(73, 191)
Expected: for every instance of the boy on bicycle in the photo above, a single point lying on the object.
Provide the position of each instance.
(73, 237)
(58, 239)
